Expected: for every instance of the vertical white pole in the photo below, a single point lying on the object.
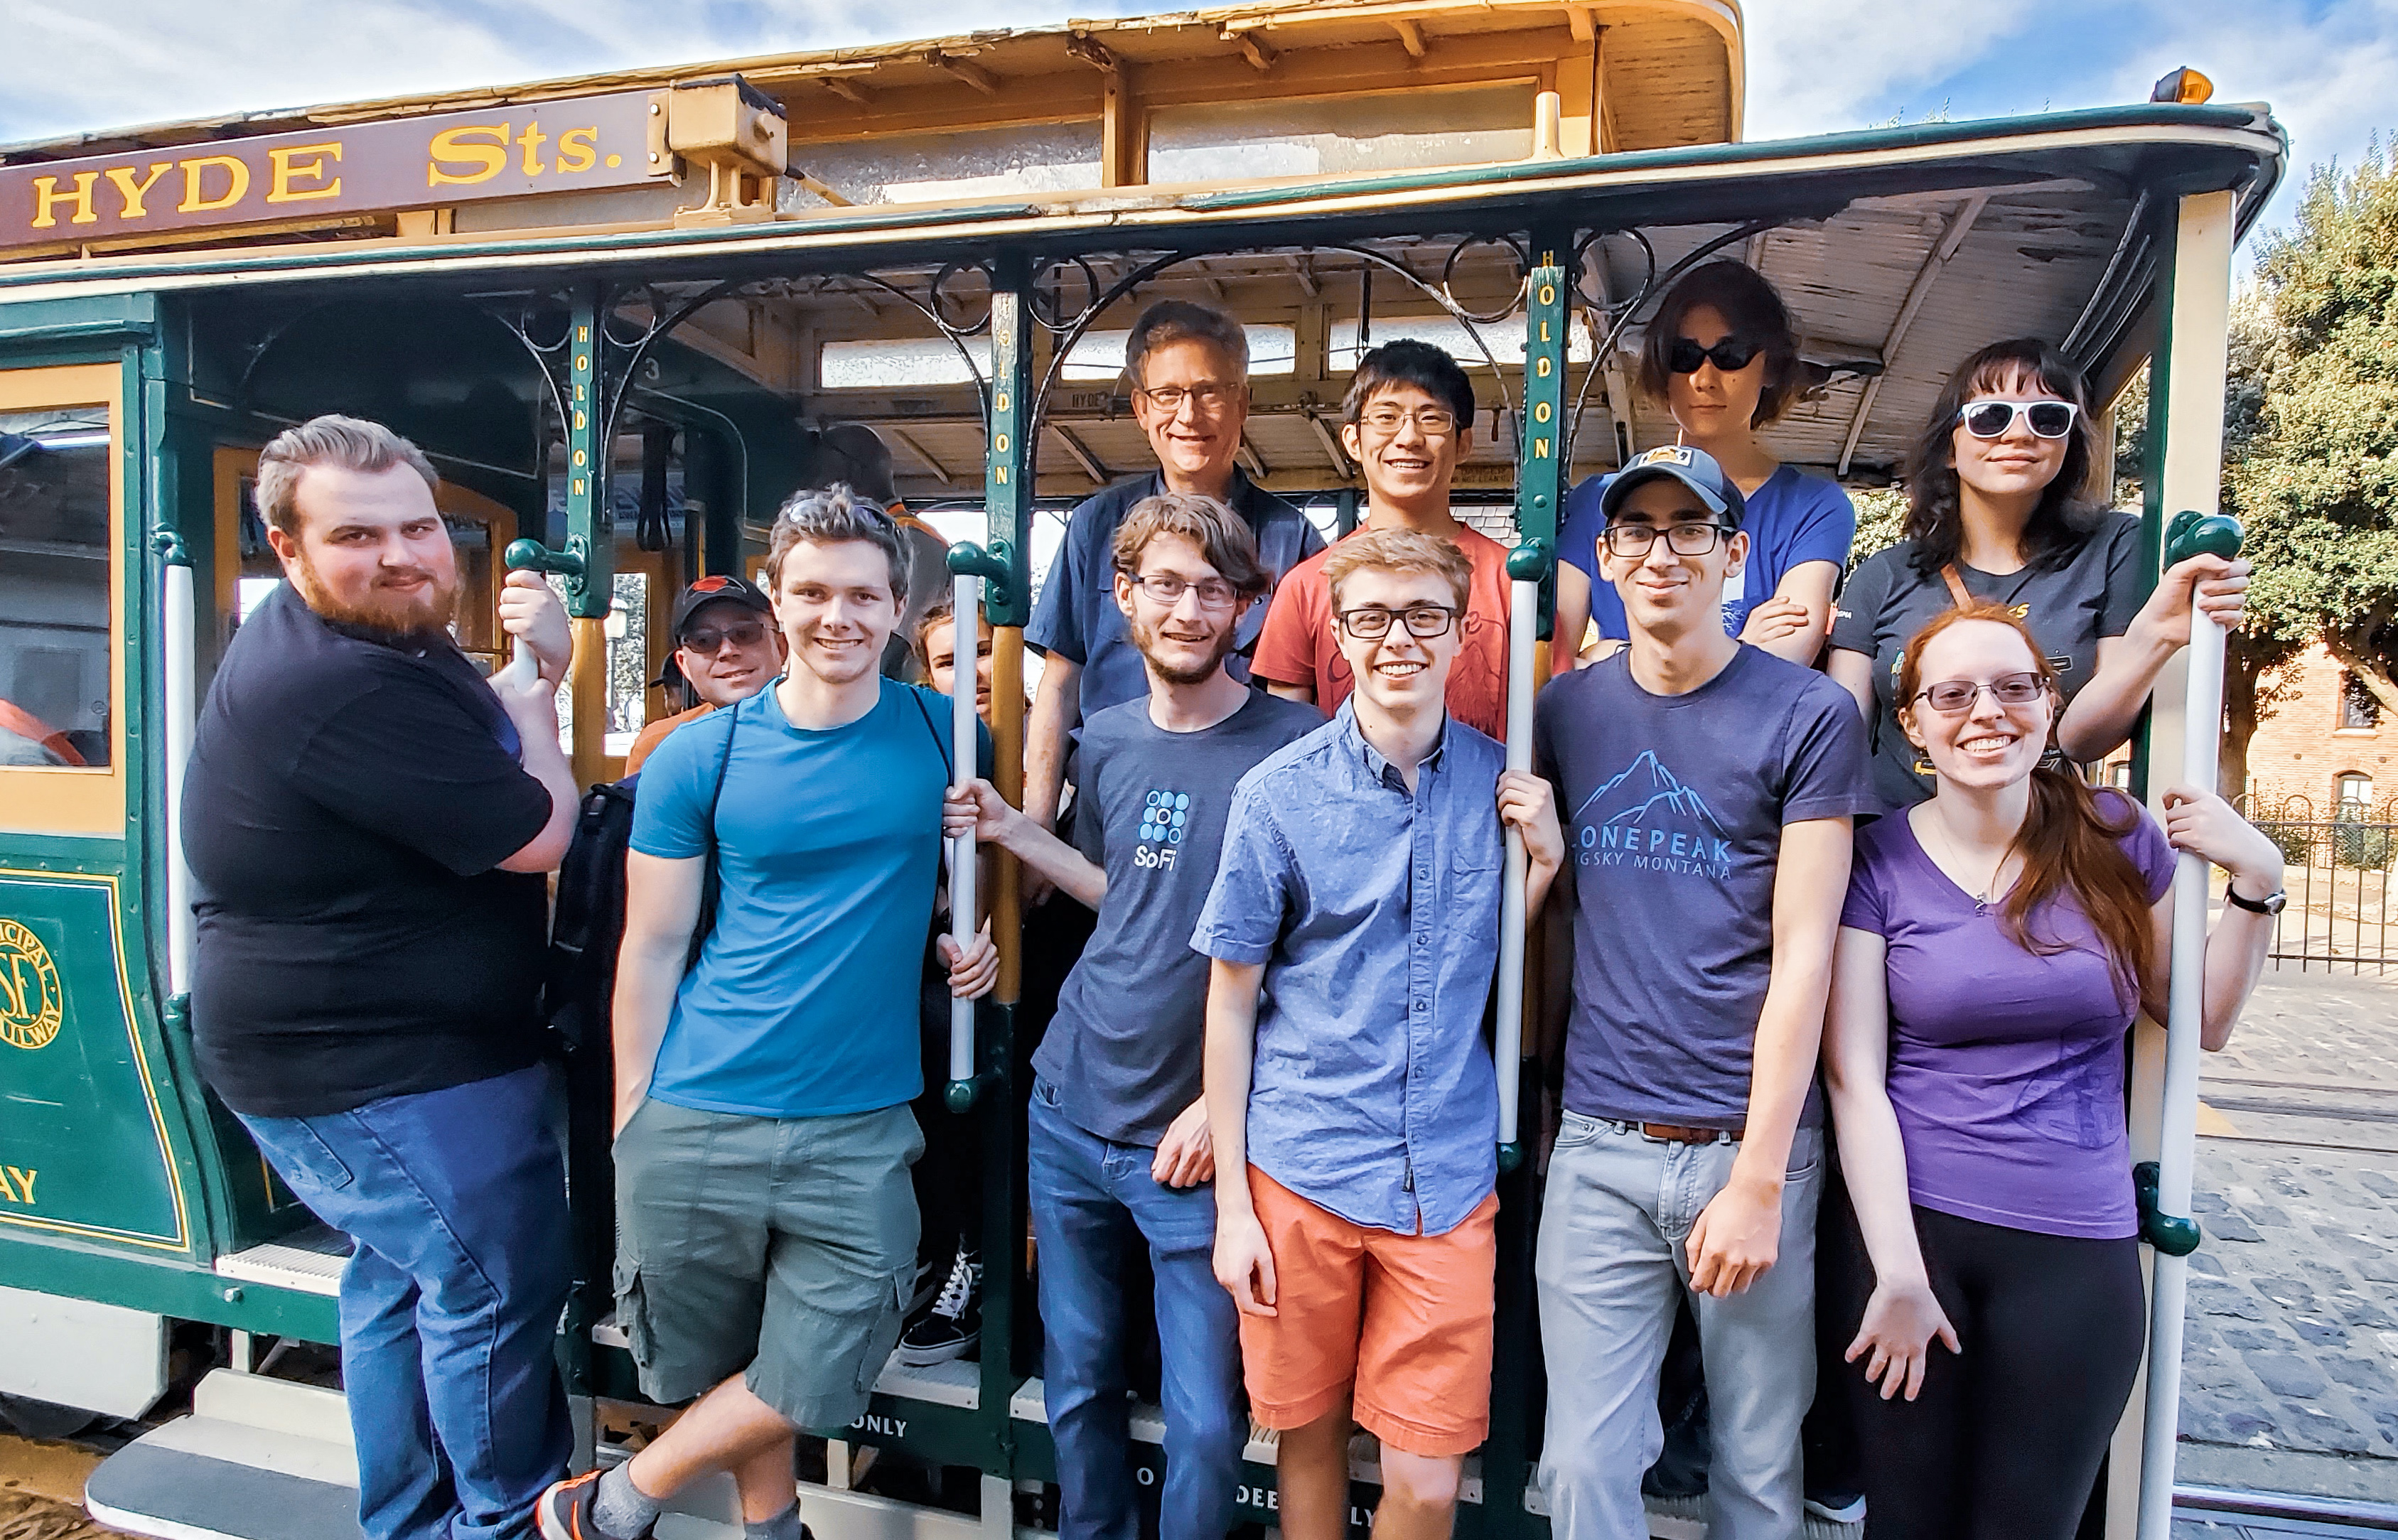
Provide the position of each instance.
(176, 644)
(1523, 626)
(965, 609)
(2193, 472)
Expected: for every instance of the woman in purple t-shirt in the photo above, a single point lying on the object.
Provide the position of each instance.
(1996, 943)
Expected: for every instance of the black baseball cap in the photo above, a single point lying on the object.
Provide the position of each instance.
(714, 588)
(1696, 468)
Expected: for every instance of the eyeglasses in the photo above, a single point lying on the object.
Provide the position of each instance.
(1167, 589)
(1208, 397)
(1733, 352)
(1954, 697)
(1431, 422)
(706, 640)
(1995, 418)
(1373, 623)
(1630, 540)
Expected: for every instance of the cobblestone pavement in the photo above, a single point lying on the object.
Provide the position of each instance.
(2290, 1367)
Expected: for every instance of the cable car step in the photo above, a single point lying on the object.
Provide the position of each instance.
(308, 1260)
(258, 1459)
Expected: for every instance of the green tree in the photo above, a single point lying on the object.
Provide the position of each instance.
(2312, 442)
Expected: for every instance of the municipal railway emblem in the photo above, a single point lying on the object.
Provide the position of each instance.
(31, 1003)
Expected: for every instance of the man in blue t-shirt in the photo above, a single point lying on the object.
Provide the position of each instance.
(1118, 1143)
(1707, 788)
(1189, 365)
(766, 1223)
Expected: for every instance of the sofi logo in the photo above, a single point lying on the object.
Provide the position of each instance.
(1163, 814)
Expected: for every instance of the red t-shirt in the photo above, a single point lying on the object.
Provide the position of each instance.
(1298, 647)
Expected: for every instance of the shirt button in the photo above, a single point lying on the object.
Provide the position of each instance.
(1419, 1007)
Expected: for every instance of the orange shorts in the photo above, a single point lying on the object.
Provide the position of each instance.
(1404, 1319)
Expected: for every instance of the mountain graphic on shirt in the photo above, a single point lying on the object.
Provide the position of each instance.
(1647, 795)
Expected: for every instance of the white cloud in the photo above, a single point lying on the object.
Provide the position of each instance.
(1817, 66)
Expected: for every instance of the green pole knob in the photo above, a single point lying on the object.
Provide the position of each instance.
(2191, 532)
(1529, 561)
(533, 555)
(2170, 1234)
(1511, 1155)
(959, 1096)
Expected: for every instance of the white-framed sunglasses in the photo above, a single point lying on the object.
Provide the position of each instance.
(1995, 417)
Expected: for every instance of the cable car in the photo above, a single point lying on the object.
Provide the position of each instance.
(611, 307)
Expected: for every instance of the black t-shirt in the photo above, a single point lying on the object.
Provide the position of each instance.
(347, 805)
(2070, 607)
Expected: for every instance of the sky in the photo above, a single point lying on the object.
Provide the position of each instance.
(1814, 65)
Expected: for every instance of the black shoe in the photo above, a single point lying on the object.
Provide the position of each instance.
(952, 1325)
(1837, 1507)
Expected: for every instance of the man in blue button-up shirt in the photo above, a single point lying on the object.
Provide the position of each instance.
(1354, 928)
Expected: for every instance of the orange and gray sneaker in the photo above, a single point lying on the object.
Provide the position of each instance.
(564, 1511)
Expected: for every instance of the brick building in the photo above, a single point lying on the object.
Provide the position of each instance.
(2326, 739)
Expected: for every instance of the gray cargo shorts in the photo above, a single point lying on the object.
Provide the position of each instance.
(785, 1247)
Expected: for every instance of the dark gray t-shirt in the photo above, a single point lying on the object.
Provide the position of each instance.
(1673, 808)
(1123, 1049)
(2093, 594)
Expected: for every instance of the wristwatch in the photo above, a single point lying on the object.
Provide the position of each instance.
(2271, 903)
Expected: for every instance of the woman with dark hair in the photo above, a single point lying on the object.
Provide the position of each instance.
(1996, 511)
(1996, 941)
(1722, 355)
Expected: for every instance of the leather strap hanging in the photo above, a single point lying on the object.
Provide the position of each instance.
(1958, 597)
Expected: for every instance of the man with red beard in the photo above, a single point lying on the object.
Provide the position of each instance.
(1118, 1147)
(368, 820)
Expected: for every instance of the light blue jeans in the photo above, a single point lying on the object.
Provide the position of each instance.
(1616, 1214)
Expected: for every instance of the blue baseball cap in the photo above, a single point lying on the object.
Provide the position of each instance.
(1696, 468)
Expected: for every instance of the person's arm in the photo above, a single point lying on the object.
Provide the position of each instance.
(1243, 1261)
(1303, 694)
(980, 807)
(1794, 622)
(1853, 672)
(1902, 1317)
(534, 711)
(1738, 1233)
(2206, 825)
(1055, 709)
(661, 912)
(2101, 715)
(1572, 620)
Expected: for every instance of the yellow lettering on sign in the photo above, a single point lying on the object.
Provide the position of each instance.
(1540, 449)
(289, 167)
(999, 444)
(999, 475)
(132, 191)
(1545, 332)
(483, 146)
(46, 198)
(1542, 367)
(22, 1190)
(32, 1000)
(1543, 412)
(578, 149)
(999, 401)
(532, 139)
(1548, 294)
(196, 171)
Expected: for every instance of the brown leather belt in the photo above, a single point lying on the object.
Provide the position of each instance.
(1674, 1133)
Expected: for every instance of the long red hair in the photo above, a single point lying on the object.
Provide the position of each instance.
(2069, 844)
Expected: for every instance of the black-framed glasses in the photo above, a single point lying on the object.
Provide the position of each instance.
(1954, 697)
(1207, 396)
(1167, 589)
(1729, 354)
(1995, 418)
(706, 640)
(1371, 622)
(1634, 540)
(1433, 421)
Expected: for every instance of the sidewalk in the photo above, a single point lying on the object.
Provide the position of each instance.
(2288, 1381)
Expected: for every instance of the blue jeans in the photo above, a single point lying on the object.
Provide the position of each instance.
(456, 1202)
(1089, 1197)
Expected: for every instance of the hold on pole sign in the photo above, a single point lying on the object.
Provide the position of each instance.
(573, 146)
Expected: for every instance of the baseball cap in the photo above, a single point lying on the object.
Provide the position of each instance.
(714, 588)
(1696, 468)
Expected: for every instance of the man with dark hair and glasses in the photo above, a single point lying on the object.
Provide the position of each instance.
(1406, 421)
(1355, 930)
(1709, 789)
(1118, 1148)
(1188, 370)
(727, 648)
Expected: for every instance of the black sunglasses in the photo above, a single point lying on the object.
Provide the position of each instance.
(1731, 354)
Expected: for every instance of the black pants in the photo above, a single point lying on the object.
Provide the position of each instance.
(2006, 1437)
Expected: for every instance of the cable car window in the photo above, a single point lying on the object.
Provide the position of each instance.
(1050, 158)
(1505, 339)
(1100, 354)
(55, 557)
(1394, 130)
(882, 365)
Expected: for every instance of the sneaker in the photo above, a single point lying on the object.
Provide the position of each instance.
(564, 1511)
(951, 1327)
(1837, 1507)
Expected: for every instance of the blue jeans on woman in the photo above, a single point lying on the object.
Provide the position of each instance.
(1090, 1197)
(455, 1200)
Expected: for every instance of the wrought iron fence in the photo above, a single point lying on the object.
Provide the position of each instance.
(2338, 873)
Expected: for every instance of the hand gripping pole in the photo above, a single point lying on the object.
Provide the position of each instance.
(523, 666)
(2163, 1221)
(1527, 564)
(969, 564)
